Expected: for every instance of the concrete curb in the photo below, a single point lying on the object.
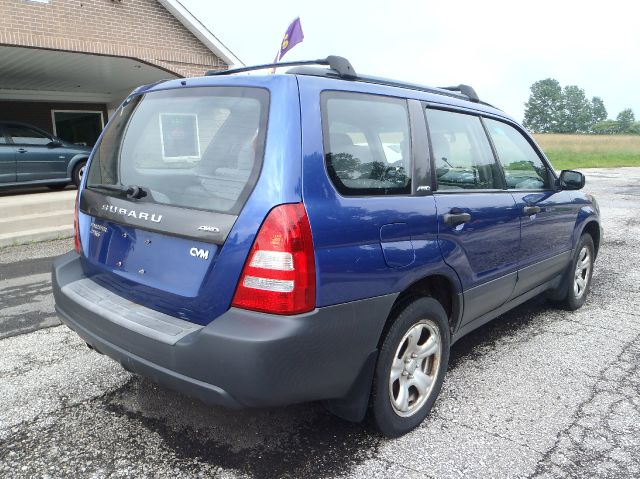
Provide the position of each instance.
(26, 218)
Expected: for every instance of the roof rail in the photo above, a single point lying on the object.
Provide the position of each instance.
(340, 65)
(466, 90)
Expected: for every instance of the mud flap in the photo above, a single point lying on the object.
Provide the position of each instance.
(353, 406)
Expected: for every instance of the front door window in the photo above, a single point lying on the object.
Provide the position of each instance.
(463, 156)
(523, 168)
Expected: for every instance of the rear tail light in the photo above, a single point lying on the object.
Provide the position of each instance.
(76, 232)
(280, 276)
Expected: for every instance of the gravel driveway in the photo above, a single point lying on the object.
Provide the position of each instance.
(536, 393)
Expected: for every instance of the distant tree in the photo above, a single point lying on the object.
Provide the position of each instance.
(598, 111)
(541, 111)
(342, 163)
(625, 119)
(553, 109)
(606, 127)
(576, 114)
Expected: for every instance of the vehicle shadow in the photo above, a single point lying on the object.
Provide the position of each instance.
(297, 441)
(484, 339)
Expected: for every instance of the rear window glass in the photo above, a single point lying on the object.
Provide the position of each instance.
(195, 147)
(367, 143)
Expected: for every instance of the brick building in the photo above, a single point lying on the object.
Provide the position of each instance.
(65, 65)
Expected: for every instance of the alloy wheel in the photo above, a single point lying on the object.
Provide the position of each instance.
(414, 368)
(583, 269)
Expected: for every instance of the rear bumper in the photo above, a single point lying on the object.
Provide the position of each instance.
(242, 358)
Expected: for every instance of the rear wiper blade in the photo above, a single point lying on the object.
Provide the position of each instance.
(133, 191)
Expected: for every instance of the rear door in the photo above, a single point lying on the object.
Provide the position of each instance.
(35, 160)
(478, 221)
(373, 231)
(7, 159)
(547, 216)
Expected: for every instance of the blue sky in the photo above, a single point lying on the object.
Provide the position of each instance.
(498, 47)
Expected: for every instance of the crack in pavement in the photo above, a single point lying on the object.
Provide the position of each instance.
(581, 453)
(65, 405)
(26, 305)
(495, 434)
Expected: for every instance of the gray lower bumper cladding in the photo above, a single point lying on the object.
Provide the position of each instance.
(240, 359)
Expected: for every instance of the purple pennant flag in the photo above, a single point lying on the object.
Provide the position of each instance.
(292, 37)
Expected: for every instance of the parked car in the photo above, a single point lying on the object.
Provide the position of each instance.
(31, 156)
(246, 240)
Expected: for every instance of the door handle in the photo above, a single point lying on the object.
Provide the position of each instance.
(531, 210)
(455, 218)
(21, 150)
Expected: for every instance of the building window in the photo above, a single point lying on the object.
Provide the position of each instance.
(78, 126)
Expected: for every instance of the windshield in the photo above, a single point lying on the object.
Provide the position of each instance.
(193, 147)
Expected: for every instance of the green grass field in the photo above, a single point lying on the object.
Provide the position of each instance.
(590, 151)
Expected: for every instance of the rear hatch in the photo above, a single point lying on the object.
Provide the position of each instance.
(163, 190)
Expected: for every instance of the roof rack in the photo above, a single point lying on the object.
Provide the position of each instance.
(340, 65)
(466, 90)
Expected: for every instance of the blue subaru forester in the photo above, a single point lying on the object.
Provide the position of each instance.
(264, 240)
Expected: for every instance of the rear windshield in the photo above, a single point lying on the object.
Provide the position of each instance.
(195, 147)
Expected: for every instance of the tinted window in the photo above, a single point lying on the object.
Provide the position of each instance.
(26, 136)
(197, 147)
(367, 144)
(79, 127)
(463, 156)
(523, 168)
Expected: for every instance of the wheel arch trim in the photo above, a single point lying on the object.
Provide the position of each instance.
(74, 161)
(588, 222)
(443, 286)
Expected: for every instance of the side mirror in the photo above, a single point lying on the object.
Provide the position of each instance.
(571, 180)
(54, 144)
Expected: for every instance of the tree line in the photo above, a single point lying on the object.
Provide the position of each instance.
(554, 109)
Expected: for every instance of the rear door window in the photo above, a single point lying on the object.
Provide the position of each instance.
(523, 168)
(462, 153)
(367, 143)
(196, 147)
(23, 135)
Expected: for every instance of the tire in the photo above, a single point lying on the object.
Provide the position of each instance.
(78, 172)
(58, 187)
(419, 381)
(578, 279)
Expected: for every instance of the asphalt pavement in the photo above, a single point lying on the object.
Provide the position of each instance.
(539, 392)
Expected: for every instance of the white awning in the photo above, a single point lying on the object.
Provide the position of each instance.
(50, 75)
